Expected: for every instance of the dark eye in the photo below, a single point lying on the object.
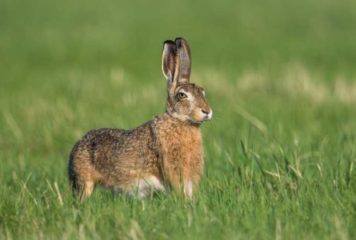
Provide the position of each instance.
(181, 95)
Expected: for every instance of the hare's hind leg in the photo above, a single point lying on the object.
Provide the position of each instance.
(82, 176)
(81, 188)
(85, 190)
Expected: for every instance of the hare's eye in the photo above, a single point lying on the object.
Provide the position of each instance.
(181, 95)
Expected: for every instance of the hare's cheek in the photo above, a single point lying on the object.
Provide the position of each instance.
(184, 108)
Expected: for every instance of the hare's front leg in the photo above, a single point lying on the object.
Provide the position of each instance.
(188, 188)
(182, 171)
(182, 181)
(191, 184)
(182, 184)
(192, 176)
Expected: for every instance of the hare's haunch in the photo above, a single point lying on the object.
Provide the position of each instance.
(165, 151)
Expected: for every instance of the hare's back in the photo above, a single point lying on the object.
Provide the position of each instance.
(97, 139)
(117, 145)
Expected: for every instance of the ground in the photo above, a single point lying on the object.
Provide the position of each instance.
(280, 150)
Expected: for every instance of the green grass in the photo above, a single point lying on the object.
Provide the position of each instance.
(280, 151)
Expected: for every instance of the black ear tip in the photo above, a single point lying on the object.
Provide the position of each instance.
(168, 42)
(179, 41)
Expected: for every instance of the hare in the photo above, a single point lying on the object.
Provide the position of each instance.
(164, 152)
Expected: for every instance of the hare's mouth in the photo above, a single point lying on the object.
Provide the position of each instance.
(201, 120)
(205, 115)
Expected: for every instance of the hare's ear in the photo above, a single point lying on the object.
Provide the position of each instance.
(169, 60)
(183, 53)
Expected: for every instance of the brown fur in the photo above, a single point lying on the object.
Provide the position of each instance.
(167, 150)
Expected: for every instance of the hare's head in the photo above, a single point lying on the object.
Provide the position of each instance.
(186, 101)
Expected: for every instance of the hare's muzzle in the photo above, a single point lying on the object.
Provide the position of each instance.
(208, 114)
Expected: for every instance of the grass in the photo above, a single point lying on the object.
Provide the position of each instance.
(280, 151)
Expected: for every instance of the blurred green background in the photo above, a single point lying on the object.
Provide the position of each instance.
(280, 151)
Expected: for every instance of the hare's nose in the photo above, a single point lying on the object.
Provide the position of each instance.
(205, 111)
(208, 114)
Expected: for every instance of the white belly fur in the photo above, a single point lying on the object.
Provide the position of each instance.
(146, 186)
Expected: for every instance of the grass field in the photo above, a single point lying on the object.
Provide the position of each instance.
(280, 151)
